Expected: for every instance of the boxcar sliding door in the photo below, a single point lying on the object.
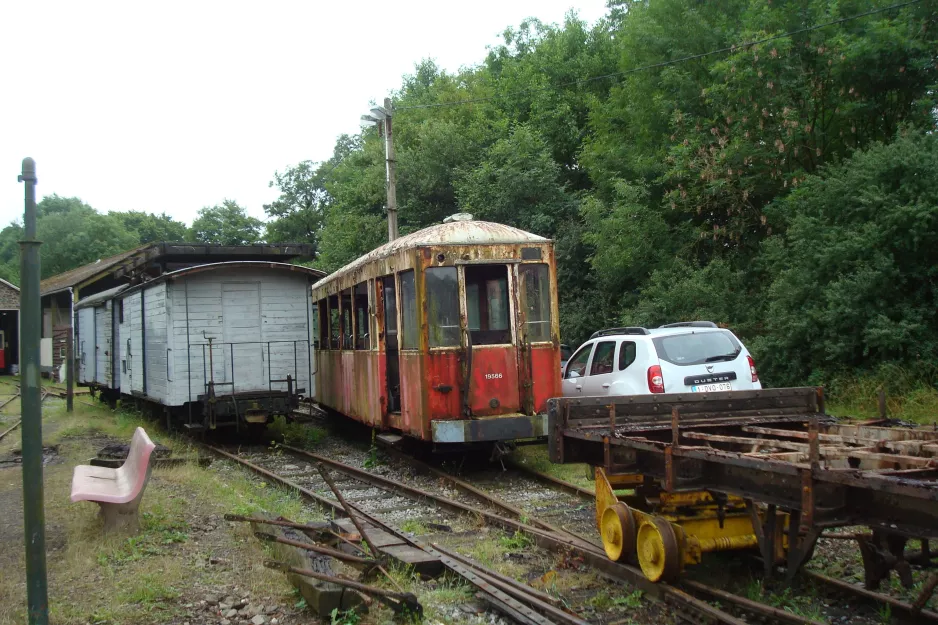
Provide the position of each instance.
(241, 309)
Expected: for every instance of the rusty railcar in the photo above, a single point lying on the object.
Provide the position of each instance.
(448, 335)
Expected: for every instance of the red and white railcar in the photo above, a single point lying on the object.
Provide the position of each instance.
(449, 334)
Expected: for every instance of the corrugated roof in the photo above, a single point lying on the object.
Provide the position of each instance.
(74, 277)
(452, 233)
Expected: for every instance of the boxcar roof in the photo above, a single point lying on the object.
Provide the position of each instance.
(100, 298)
(453, 233)
(238, 264)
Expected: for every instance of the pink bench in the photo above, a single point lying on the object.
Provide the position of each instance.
(117, 491)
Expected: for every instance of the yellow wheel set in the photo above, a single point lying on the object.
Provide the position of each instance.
(665, 531)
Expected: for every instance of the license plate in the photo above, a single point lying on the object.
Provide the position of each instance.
(712, 388)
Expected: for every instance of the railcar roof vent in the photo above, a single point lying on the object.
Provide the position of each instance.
(459, 217)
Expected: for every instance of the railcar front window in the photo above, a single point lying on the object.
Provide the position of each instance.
(408, 311)
(443, 306)
(487, 304)
(362, 320)
(347, 335)
(536, 279)
(335, 334)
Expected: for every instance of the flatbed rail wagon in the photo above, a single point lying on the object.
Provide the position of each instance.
(764, 469)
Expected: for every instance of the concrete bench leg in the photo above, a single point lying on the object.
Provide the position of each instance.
(120, 516)
(123, 516)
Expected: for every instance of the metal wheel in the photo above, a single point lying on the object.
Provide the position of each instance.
(617, 529)
(658, 552)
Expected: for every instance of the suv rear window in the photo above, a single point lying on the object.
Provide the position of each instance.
(695, 348)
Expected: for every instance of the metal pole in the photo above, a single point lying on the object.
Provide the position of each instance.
(69, 371)
(392, 179)
(33, 515)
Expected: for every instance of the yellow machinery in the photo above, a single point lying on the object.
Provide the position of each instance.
(666, 531)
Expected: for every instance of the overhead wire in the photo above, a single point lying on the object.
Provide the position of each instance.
(683, 59)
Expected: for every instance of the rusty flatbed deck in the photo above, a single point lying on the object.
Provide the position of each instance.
(772, 446)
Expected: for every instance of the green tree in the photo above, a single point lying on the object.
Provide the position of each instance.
(226, 224)
(297, 215)
(150, 227)
(74, 234)
(518, 183)
(856, 273)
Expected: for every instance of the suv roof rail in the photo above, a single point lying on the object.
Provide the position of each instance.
(691, 324)
(614, 331)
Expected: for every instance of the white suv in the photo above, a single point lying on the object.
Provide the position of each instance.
(693, 356)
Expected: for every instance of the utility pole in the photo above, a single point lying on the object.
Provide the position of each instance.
(392, 179)
(31, 403)
(381, 116)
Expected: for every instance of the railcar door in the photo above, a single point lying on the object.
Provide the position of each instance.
(539, 358)
(490, 340)
(387, 294)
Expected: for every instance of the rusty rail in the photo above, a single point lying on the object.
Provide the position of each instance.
(400, 602)
(332, 553)
(3, 405)
(905, 608)
(10, 429)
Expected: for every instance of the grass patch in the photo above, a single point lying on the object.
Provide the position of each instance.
(295, 434)
(515, 542)
(414, 527)
(911, 393)
(800, 603)
(535, 457)
(182, 542)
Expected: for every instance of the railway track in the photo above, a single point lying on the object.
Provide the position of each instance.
(437, 511)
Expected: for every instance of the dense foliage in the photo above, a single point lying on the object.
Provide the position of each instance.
(788, 188)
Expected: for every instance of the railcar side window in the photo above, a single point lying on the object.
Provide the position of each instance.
(335, 327)
(443, 306)
(362, 322)
(409, 339)
(487, 304)
(323, 324)
(315, 315)
(536, 279)
(347, 331)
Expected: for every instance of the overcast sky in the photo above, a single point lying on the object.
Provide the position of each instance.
(172, 106)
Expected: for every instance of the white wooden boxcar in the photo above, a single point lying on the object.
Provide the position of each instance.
(96, 341)
(222, 344)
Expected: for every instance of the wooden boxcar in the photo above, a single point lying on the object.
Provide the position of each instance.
(222, 344)
(98, 347)
(449, 334)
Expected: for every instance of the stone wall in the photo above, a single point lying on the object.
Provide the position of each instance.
(9, 297)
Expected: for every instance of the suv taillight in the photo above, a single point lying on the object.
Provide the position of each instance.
(752, 369)
(655, 379)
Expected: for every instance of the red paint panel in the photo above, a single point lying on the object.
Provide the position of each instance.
(545, 371)
(443, 371)
(494, 377)
(413, 415)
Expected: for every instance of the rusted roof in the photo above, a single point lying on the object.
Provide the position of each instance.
(75, 277)
(452, 233)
